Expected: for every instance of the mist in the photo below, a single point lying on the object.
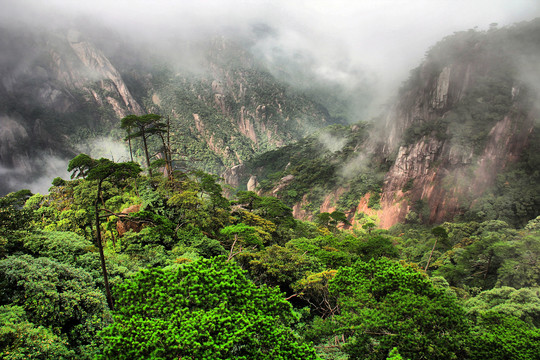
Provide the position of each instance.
(36, 176)
(344, 42)
(105, 147)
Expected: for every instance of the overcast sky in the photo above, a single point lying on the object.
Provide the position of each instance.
(385, 38)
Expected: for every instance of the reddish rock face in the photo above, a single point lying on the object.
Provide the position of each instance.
(463, 117)
(442, 173)
(124, 226)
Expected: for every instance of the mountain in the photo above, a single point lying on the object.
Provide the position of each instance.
(65, 91)
(461, 140)
(465, 118)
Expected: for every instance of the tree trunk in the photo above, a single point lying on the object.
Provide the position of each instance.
(129, 143)
(100, 247)
(146, 152)
(169, 150)
(433, 249)
(130, 150)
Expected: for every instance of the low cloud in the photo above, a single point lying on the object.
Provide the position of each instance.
(332, 143)
(37, 176)
(355, 166)
(37, 173)
(105, 147)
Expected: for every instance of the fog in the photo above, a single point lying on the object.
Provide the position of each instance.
(47, 166)
(337, 40)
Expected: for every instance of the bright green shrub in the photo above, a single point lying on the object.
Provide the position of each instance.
(206, 309)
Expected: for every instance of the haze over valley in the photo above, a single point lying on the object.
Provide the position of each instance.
(347, 59)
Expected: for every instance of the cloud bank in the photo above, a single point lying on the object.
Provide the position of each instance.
(381, 39)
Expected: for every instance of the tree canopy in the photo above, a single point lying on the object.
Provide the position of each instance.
(205, 309)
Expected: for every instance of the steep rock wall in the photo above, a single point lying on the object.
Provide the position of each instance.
(437, 174)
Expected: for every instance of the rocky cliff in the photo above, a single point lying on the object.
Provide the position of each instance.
(234, 107)
(54, 87)
(465, 115)
(60, 89)
(460, 141)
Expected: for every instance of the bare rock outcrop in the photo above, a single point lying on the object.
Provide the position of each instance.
(123, 226)
(435, 169)
(97, 67)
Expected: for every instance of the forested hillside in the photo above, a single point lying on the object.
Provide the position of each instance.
(461, 142)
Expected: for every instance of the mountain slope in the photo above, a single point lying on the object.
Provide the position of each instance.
(461, 140)
(466, 115)
(62, 89)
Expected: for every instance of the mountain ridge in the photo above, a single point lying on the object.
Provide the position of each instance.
(465, 118)
(71, 88)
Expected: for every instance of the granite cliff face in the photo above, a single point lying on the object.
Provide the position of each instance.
(108, 86)
(235, 107)
(53, 85)
(461, 120)
(60, 89)
(465, 117)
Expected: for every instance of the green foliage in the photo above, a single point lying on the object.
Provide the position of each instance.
(520, 265)
(64, 247)
(58, 181)
(144, 126)
(361, 184)
(84, 166)
(193, 239)
(376, 247)
(21, 339)
(394, 355)
(420, 130)
(318, 164)
(248, 235)
(408, 185)
(13, 215)
(355, 301)
(501, 337)
(279, 266)
(507, 302)
(216, 140)
(332, 251)
(331, 220)
(493, 254)
(313, 288)
(56, 296)
(203, 309)
(515, 196)
(385, 304)
(485, 104)
(374, 200)
(271, 209)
